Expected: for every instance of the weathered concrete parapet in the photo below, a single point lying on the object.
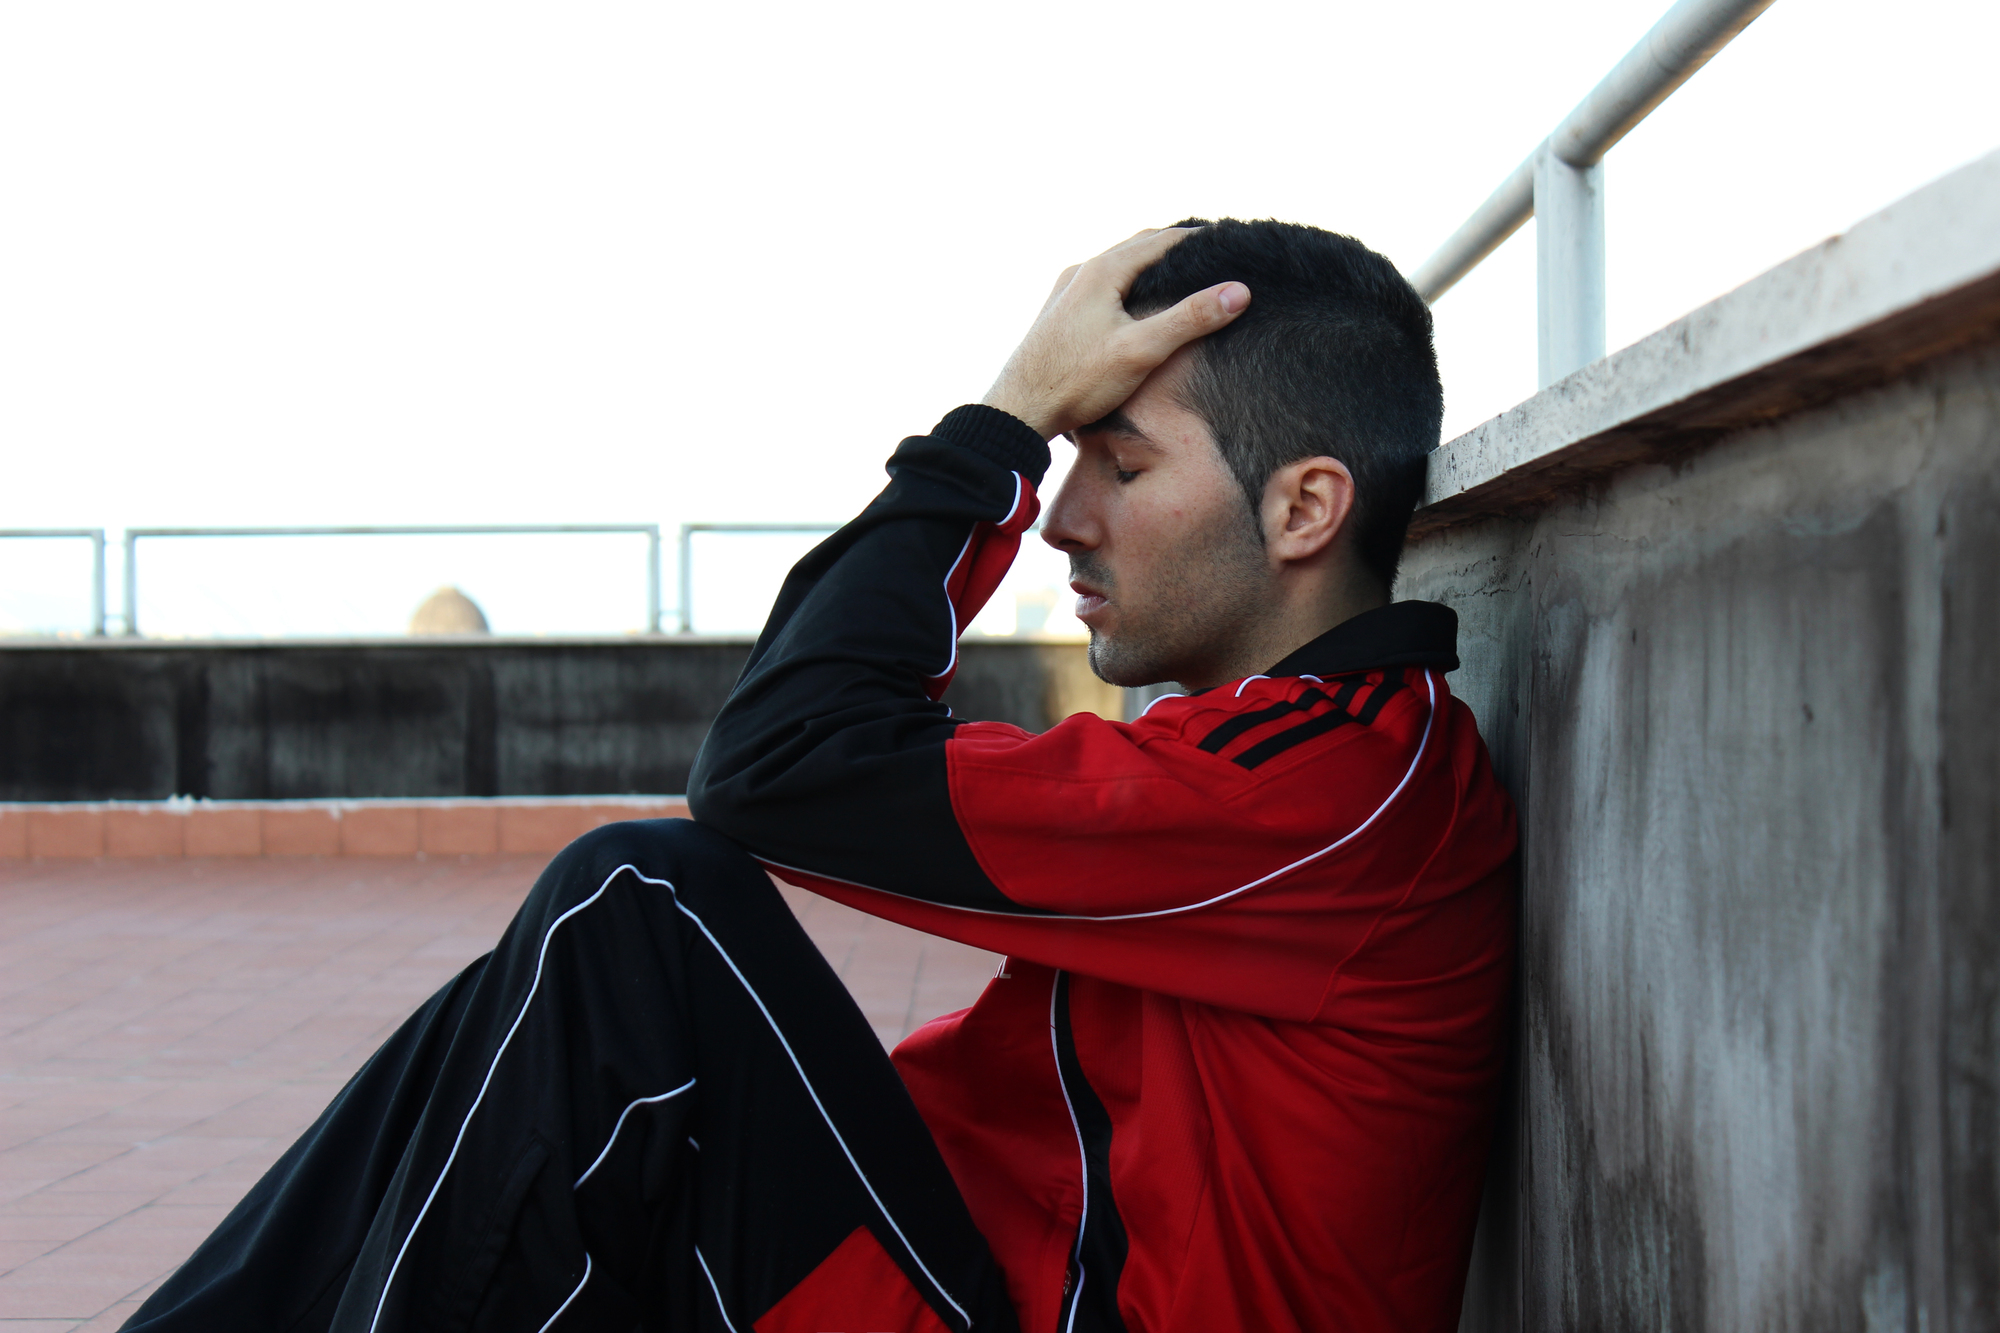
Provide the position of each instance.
(1731, 610)
(475, 715)
(1898, 290)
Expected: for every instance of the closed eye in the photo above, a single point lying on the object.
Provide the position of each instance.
(1124, 477)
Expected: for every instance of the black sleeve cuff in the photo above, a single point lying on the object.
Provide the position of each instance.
(998, 437)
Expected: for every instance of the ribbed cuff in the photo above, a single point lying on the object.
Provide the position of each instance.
(999, 437)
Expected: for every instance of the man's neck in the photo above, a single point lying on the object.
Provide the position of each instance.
(1274, 639)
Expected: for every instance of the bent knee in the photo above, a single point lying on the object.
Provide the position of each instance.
(711, 877)
(655, 848)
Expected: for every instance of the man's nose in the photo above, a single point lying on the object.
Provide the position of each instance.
(1066, 523)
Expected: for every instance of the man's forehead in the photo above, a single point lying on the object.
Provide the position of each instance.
(1155, 423)
(1156, 415)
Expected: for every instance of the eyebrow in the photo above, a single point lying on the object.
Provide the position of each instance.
(1117, 423)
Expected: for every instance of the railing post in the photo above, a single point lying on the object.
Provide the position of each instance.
(686, 573)
(1684, 40)
(652, 578)
(1569, 265)
(131, 582)
(97, 583)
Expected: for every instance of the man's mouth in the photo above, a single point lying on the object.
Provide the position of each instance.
(1088, 599)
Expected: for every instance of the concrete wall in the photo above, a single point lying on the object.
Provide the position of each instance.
(1742, 681)
(418, 718)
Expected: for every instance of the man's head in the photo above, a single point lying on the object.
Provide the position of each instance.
(1274, 461)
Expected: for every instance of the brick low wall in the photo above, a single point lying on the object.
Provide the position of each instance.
(314, 828)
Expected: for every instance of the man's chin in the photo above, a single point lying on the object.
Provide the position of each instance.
(1114, 661)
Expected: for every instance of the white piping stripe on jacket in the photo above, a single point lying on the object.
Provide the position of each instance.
(1156, 699)
(1082, 1156)
(951, 611)
(541, 959)
(643, 1101)
(1246, 684)
(551, 1320)
(811, 1092)
(1423, 744)
(720, 1308)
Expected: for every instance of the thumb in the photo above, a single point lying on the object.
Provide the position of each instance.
(1196, 317)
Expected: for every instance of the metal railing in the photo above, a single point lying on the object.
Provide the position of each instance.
(686, 555)
(132, 536)
(96, 538)
(1561, 185)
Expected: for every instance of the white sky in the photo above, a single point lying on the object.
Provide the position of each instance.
(429, 263)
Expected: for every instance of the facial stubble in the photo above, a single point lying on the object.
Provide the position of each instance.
(1184, 626)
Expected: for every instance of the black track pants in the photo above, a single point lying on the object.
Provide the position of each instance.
(652, 1106)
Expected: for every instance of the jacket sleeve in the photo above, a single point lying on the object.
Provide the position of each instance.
(830, 753)
(1168, 854)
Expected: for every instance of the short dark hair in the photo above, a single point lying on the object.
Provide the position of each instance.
(1333, 358)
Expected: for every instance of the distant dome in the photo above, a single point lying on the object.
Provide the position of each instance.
(449, 611)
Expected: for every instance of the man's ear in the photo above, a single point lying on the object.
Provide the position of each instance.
(1306, 506)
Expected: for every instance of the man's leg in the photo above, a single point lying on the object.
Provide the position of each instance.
(653, 1105)
(281, 1257)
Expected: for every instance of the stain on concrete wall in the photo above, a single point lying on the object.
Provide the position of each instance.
(1748, 706)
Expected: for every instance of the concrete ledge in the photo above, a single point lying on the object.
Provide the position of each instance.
(405, 828)
(1919, 279)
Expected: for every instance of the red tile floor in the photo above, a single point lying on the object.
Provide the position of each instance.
(167, 1027)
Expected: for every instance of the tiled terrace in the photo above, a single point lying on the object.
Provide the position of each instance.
(168, 1026)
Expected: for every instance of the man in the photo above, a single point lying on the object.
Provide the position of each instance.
(1236, 1071)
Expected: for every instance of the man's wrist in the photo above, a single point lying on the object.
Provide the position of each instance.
(1034, 416)
(998, 436)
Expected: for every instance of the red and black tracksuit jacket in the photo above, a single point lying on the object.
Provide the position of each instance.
(1238, 1070)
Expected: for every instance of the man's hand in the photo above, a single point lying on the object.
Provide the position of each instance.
(1085, 355)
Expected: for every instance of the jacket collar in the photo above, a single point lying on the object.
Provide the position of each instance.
(1399, 634)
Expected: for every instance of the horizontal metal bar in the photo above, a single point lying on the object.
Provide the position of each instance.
(684, 613)
(1684, 40)
(409, 530)
(1498, 218)
(95, 536)
(760, 527)
(651, 531)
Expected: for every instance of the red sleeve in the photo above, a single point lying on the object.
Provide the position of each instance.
(1233, 848)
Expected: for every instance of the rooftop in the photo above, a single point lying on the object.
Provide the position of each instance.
(169, 1026)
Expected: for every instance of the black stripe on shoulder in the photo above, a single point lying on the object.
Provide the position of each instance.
(1225, 732)
(1233, 727)
(1392, 683)
(1291, 736)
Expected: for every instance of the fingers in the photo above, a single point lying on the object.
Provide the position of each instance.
(1122, 263)
(1085, 354)
(1198, 316)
